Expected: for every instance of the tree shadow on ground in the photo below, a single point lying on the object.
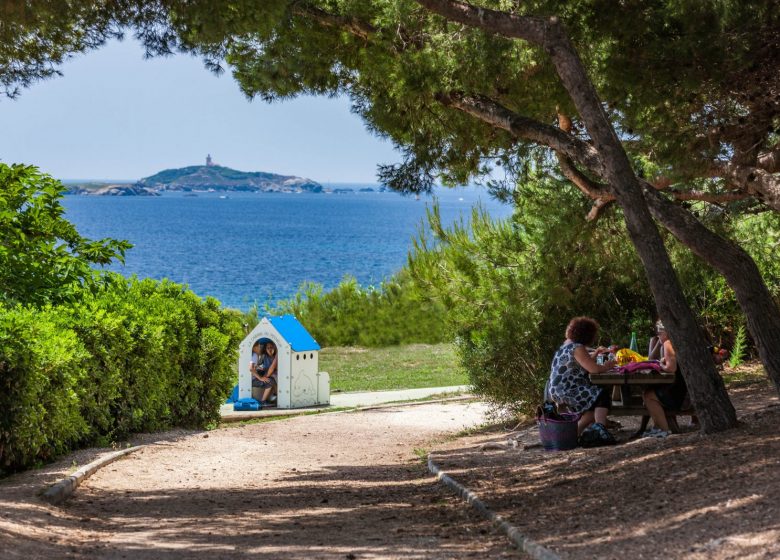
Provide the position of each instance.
(387, 510)
(687, 496)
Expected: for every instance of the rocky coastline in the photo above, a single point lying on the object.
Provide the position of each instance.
(111, 190)
(201, 178)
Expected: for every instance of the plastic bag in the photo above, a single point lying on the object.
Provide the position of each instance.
(626, 356)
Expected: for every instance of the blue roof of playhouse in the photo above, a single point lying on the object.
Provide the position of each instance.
(294, 333)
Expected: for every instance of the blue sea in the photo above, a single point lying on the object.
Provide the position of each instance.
(257, 248)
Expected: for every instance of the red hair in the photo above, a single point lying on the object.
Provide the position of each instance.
(582, 330)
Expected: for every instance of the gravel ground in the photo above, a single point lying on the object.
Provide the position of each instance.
(688, 496)
(352, 486)
(344, 485)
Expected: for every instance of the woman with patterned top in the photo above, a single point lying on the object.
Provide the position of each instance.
(569, 383)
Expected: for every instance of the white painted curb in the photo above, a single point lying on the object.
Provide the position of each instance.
(533, 549)
(62, 490)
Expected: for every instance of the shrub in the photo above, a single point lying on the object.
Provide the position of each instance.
(43, 259)
(89, 357)
(41, 368)
(135, 355)
(394, 313)
(510, 287)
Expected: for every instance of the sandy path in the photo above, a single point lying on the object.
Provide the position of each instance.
(326, 486)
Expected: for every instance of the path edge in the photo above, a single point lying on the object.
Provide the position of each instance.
(64, 488)
(294, 413)
(532, 548)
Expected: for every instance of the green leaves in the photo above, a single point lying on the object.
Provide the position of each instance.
(135, 355)
(395, 312)
(43, 259)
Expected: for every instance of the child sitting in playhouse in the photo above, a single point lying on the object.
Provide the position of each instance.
(263, 366)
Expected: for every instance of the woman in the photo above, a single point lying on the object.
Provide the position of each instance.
(256, 367)
(666, 397)
(267, 372)
(569, 383)
(258, 350)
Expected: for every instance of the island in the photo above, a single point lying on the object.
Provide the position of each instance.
(109, 189)
(201, 178)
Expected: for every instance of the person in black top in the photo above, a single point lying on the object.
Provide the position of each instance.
(665, 397)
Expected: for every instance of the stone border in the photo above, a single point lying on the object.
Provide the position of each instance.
(63, 489)
(533, 549)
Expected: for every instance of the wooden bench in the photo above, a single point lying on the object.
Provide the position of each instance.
(640, 410)
(627, 396)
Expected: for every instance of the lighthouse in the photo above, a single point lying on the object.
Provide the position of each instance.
(209, 161)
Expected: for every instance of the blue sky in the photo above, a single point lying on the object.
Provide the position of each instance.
(114, 115)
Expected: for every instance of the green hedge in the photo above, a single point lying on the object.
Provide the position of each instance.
(136, 355)
(396, 312)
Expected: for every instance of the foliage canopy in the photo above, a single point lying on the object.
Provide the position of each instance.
(43, 259)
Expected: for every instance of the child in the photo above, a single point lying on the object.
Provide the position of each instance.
(266, 372)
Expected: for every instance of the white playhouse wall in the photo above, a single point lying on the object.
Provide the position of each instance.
(308, 386)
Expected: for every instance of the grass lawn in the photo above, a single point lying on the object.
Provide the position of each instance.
(396, 367)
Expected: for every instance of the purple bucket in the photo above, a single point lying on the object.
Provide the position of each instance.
(558, 435)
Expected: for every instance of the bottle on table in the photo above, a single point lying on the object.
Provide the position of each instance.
(633, 345)
(612, 349)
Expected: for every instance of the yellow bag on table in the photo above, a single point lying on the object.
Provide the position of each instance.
(626, 356)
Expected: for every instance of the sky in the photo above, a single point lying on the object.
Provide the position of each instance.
(116, 116)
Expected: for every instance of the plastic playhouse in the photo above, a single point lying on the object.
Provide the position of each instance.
(300, 383)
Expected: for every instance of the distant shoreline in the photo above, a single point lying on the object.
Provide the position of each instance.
(134, 189)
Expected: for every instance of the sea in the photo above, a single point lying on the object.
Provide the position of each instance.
(250, 249)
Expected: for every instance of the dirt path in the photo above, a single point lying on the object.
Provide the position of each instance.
(326, 486)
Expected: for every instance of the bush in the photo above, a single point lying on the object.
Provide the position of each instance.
(88, 357)
(394, 313)
(43, 259)
(511, 287)
(41, 368)
(135, 355)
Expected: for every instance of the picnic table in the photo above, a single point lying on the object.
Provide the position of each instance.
(627, 389)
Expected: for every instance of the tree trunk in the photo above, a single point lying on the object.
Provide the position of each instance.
(739, 270)
(708, 392)
(706, 387)
(728, 258)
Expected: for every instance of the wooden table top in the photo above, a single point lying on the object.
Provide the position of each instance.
(616, 378)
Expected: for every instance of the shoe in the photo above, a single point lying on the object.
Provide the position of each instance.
(655, 433)
(596, 435)
(272, 399)
(604, 435)
(588, 438)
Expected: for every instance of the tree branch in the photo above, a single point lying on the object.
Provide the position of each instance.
(568, 149)
(755, 181)
(352, 25)
(495, 114)
(770, 161)
(712, 198)
(532, 29)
